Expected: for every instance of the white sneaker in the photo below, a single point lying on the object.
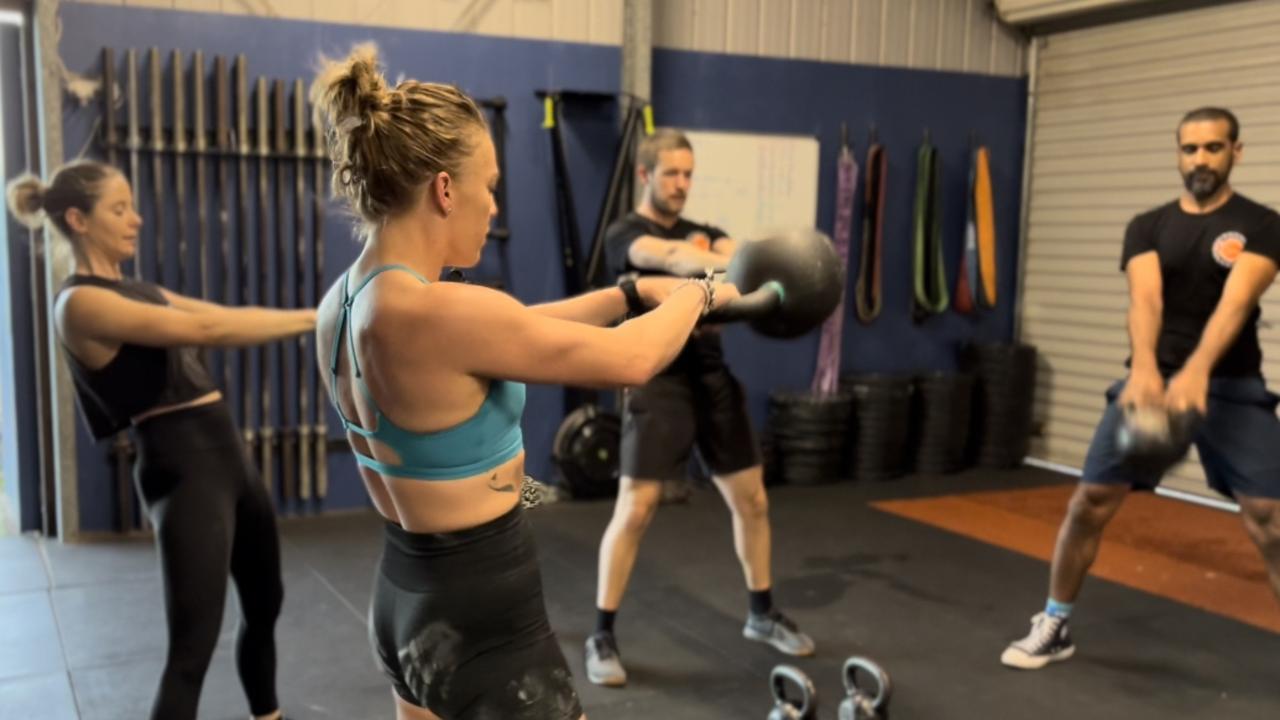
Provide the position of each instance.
(1049, 641)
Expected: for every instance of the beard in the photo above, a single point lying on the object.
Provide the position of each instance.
(1203, 182)
(668, 206)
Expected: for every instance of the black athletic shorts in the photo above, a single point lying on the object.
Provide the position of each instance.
(1238, 442)
(663, 420)
(458, 623)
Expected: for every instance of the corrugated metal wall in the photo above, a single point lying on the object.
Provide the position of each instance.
(586, 21)
(1019, 11)
(1108, 101)
(958, 35)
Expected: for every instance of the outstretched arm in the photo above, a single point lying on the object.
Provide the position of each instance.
(599, 307)
(490, 334)
(107, 317)
(607, 306)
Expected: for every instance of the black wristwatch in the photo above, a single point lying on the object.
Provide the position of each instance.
(627, 283)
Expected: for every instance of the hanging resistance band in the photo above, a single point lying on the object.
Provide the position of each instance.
(566, 214)
(867, 291)
(966, 278)
(570, 237)
(985, 216)
(978, 265)
(930, 294)
(826, 378)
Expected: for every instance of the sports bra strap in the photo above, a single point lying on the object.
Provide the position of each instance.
(345, 326)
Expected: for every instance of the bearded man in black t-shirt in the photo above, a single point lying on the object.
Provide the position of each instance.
(1196, 269)
(695, 403)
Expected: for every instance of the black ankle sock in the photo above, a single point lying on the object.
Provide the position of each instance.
(761, 601)
(604, 620)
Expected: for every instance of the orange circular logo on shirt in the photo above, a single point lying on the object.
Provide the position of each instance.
(700, 240)
(1227, 247)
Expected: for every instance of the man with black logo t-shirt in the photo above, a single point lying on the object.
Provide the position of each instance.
(1196, 268)
(696, 401)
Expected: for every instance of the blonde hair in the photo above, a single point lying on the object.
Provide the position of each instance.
(385, 143)
(75, 185)
(663, 139)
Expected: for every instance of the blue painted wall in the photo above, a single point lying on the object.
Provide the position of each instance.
(20, 449)
(746, 94)
(812, 98)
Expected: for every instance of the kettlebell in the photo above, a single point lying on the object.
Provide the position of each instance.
(1155, 438)
(865, 703)
(805, 708)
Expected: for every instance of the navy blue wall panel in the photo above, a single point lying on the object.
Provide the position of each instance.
(749, 94)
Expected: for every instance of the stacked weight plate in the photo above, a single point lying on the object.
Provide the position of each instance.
(809, 436)
(1003, 401)
(586, 450)
(942, 405)
(881, 425)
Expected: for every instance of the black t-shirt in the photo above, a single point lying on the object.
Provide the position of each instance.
(703, 349)
(1196, 254)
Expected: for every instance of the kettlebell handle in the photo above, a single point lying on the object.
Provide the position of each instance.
(878, 700)
(786, 709)
(761, 301)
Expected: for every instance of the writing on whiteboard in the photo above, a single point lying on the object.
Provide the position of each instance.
(750, 185)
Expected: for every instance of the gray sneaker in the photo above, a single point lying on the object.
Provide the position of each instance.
(604, 665)
(779, 631)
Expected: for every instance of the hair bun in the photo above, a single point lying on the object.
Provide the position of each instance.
(349, 94)
(26, 200)
(366, 73)
(385, 144)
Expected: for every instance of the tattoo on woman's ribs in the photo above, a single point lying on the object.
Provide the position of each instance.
(494, 486)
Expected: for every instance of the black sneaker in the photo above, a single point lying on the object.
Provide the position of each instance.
(604, 664)
(1049, 641)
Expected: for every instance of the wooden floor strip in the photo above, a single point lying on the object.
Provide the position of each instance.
(1191, 554)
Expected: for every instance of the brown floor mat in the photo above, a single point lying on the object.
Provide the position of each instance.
(1192, 554)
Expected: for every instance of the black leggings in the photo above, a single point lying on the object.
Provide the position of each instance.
(211, 516)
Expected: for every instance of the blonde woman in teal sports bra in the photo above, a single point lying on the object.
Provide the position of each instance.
(429, 380)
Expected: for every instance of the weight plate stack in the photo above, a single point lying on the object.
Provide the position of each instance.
(1003, 402)
(808, 437)
(941, 408)
(881, 427)
(586, 450)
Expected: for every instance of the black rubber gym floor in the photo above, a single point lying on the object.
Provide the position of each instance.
(81, 634)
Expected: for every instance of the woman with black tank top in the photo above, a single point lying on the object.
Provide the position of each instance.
(133, 351)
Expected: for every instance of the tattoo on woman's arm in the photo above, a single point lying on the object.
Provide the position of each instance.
(494, 486)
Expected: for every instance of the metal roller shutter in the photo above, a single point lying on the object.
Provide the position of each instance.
(1106, 104)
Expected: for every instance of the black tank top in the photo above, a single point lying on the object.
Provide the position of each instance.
(139, 377)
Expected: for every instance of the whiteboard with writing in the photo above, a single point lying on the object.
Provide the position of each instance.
(751, 185)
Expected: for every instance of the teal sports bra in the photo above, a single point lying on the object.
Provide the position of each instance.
(487, 439)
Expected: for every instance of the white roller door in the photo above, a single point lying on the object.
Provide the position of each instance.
(1107, 100)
